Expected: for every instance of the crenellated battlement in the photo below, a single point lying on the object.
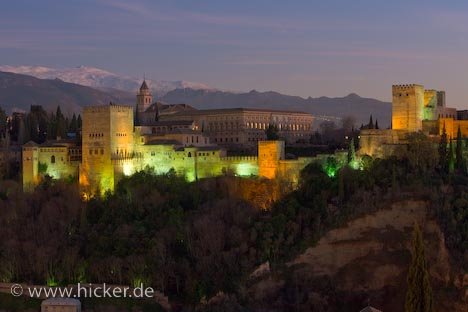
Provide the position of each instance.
(240, 158)
(406, 86)
(103, 108)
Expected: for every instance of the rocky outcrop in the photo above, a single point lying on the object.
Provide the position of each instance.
(368, 259)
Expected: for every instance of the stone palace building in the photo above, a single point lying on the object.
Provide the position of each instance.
(116, 142)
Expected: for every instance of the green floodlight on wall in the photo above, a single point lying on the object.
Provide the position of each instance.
(331, 167)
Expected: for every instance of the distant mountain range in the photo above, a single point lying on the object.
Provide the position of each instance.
(102, 79)
(325, 108)
(19, 91)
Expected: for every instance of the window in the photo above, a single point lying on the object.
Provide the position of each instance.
(52, 159)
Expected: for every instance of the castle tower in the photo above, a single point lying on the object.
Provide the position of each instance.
(30, 166)
(407, 107)
(107, 139)
(269, 155)
(144, 100)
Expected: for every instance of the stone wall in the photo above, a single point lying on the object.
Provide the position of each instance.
(380, 142)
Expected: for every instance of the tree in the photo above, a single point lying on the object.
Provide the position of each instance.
(443, 150)
(460, 162)
(37, 123)
(3, 123)
(376, 124)
(79, 122)
(351, 152)
(61, 123)
(371, 123)
(451, 158)
(73, 124)
(272, 132)
(328, 131)
(421, 154)
(419, 294)
(347, 123)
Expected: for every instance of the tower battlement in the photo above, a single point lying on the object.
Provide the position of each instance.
(406, 86)
(103, 108)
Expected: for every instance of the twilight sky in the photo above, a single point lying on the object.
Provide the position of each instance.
(303, 47)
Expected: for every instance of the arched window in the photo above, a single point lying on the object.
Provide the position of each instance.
(52, 159)
(189, 154)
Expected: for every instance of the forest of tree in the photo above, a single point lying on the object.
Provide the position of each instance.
(38, 125)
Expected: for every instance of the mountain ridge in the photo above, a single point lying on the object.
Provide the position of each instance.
(101, 78)
(19, 92)
(351, 105)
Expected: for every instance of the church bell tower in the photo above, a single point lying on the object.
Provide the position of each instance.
(144, 101)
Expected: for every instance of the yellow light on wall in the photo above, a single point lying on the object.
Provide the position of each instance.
(245, 169)
(127, 169)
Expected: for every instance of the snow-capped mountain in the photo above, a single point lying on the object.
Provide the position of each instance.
(102, 79)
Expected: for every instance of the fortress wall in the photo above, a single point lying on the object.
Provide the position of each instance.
(373, 141)
(60, 169)
(430, 127)
(290, 170)
(451, 127)
(241, 165)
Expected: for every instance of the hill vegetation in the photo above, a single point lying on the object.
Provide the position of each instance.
(193, 240)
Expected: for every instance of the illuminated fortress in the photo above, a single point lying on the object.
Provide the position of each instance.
(115, 143)
(414, 109)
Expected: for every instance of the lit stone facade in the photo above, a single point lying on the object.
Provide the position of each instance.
(60, 160)
(231, 127)
(243, 127)
(407, 107)
(413, 109)
(112, 147)
(451, 127)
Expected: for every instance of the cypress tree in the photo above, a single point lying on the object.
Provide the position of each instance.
(371, 123)
(79, 122)
(3, 123)
(451, 158)
(52, 127)
(61, 123)
(459, 151)
(376, 124)
(443, 150)
(419, 294)
(351, 152)
(73, 124)
(341, 187)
